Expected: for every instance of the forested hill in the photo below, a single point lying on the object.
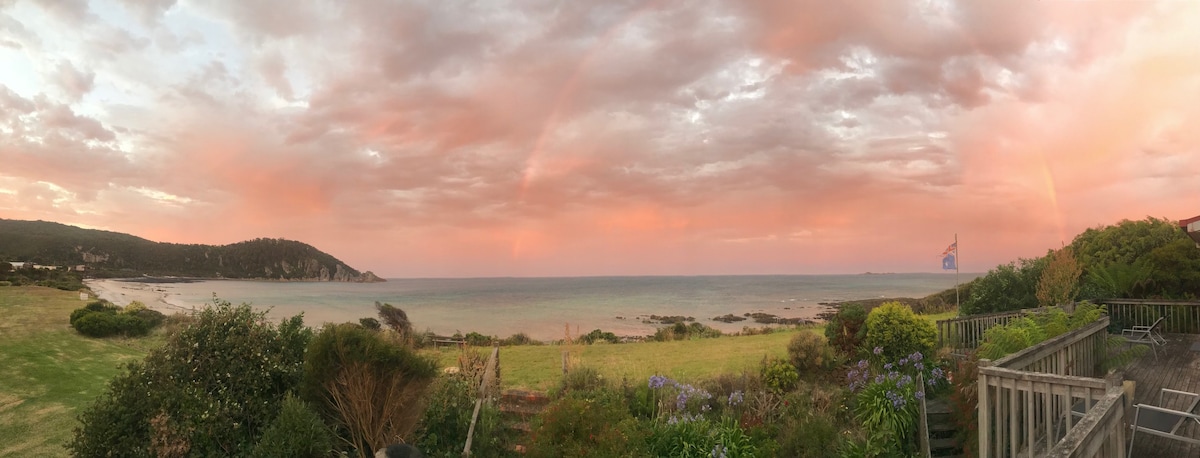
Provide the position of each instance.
(113, 254)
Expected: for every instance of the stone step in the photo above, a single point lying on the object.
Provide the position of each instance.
(524, 397)
(521, 410)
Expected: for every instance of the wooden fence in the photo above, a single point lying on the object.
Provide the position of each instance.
(1100, 433)
(966, 332)
(1182, 317)
(487, 386)
(1030, 400)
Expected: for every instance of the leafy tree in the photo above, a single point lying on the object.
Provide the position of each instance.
(1175, 269)
(394, 318)
(1060, 279)
(1011, 286)
(1124, 242)
(209, 391)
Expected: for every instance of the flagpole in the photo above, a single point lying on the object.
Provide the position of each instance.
(957, 261)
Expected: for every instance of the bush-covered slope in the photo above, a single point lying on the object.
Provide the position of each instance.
(115, 254)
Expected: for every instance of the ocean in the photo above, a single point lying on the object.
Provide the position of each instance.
(540, 307)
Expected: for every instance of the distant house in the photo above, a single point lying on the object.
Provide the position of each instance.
(80, 268)
(1192, 227)
(39, 266)
(17, 265)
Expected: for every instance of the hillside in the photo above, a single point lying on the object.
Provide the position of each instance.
(113, 254)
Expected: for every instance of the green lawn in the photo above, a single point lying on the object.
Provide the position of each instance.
(48, 373)
(539, 367)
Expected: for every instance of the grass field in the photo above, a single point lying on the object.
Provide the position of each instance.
(48, 373)
(540, 366)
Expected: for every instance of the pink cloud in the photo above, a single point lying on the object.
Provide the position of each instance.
(445, 139)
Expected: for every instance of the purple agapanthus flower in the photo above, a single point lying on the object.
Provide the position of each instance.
(878, 350)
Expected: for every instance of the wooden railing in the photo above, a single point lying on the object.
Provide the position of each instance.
(1099, 434)
(487, 385)
(1183, 317)
(966, 332)
(1030, 400)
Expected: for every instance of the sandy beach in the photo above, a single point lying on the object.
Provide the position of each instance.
(157, 296)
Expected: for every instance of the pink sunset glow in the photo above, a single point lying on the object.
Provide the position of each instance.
(547, 138)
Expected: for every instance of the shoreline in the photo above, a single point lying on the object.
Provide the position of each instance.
(172, 295)
(123, 295)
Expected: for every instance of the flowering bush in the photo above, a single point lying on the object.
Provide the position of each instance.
(683, 427)
(887, 396)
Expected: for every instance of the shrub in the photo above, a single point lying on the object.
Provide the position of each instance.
(153, 318)
(442, 431)
(95, 324)
(847, 329)
(1029, 330)
(476, 339)
(519, 338)
(1011, 286)
(370, 383)
(599, 336)
(105, 324)
(779, 375)
(700, 438)
(964, 402)
(886, 403)
(899, 331)
(297, 432)
(809, 435)
(684, 331)
(581, 379)
(134, 307)
(811, 354)
(573, 427)
(370, 323)
(213, 388)
(79, 313)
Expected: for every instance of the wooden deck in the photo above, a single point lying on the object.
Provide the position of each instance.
(1177, 368)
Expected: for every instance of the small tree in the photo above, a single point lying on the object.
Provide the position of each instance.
(394, 318)
(847, 329)
(1059, 283)
(370, 383)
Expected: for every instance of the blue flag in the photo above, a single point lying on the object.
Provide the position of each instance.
(949, 257)
(949, 263)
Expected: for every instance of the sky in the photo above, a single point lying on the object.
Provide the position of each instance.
(445, 138)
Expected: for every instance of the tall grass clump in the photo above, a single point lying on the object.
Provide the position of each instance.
(371, 383)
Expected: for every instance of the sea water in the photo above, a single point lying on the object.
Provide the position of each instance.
(544, 307)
